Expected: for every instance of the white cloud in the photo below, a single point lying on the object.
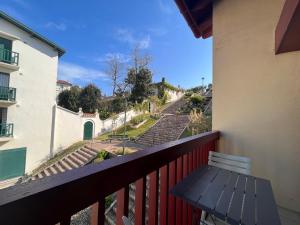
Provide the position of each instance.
(122, 57)
(57, 26)
(165, 6)
(127, 36)
(73, 72)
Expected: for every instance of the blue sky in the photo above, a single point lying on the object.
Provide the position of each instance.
(93, 30)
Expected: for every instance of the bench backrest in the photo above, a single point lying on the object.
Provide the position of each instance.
(234, 163)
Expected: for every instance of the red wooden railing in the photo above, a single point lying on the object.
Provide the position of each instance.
(55, 199)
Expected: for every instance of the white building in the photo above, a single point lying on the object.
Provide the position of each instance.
(62, 85)
(28, 74)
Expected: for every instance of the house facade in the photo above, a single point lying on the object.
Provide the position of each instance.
(28, 74)
(256, 79)
(62, 85)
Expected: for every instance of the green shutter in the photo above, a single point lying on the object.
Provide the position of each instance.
(12, 163)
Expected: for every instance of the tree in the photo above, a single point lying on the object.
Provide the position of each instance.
(142, 86)
(139, 77)
(69, 99)
(114, 70)
(90, 98)
(139, 62)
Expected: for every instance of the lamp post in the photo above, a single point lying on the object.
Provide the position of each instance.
(125, 115)
(202, 84)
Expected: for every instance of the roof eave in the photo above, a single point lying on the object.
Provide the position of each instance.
(23, 27)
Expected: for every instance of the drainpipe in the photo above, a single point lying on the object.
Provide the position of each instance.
(52, 137)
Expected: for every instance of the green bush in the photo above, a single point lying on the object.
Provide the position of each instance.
(138, 119)
(102, 155)
(165, 98)
(155, 116)
(104, 114)
(197, 99)
(188, 94)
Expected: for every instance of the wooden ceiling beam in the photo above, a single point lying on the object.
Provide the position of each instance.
(204, 25)
(201, 5)
(287, 34)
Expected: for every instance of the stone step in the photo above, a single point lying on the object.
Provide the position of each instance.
(76, 160)
(70, 162)
(81, 157)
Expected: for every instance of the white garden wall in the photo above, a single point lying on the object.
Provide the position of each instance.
(69, 126)
(174, 95)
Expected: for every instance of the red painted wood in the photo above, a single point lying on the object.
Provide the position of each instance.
(164, 183)
(179, 174)
(153, 198)
(122, 204)
(140, 201)
(190, 162)
(31, 202)
(194, 160)
(98, 210)
(171, 198)
(190, 209)
(184, 205)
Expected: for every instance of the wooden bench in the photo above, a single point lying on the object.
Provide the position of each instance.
(117, 137)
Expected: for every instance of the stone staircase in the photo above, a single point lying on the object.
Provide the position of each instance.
(173, 108)
(75, 159)
(168, 128)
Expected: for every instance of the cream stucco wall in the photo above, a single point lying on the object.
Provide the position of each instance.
(256, 98)
(35, 82)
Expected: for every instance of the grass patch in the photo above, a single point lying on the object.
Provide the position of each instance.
(60, 155)
(131, 132)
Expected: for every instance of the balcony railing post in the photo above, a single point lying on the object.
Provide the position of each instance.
(179, 174)
(122, 204)
(153, 198)
(97, 212)
(164, 192)
(140, 201)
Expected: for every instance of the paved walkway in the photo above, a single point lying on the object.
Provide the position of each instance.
(115, 145)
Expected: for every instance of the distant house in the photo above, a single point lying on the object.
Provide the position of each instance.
(62, 85)
(28, 74)
(160, 88)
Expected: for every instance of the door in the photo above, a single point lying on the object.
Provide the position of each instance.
(4, 86)
(5, 50)
(88, 131)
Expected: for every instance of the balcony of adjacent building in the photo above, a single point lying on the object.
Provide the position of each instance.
(7, 96)
(9, 59)
(6, 131)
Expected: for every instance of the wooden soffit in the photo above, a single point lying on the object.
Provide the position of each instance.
(287, 34)
(198, 14)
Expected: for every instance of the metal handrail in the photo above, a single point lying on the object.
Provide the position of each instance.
(6, 129)
(8, 93)
(9, 56)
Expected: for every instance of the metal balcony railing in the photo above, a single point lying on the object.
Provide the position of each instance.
(6, 129)
(8, 56)
(8, 93)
